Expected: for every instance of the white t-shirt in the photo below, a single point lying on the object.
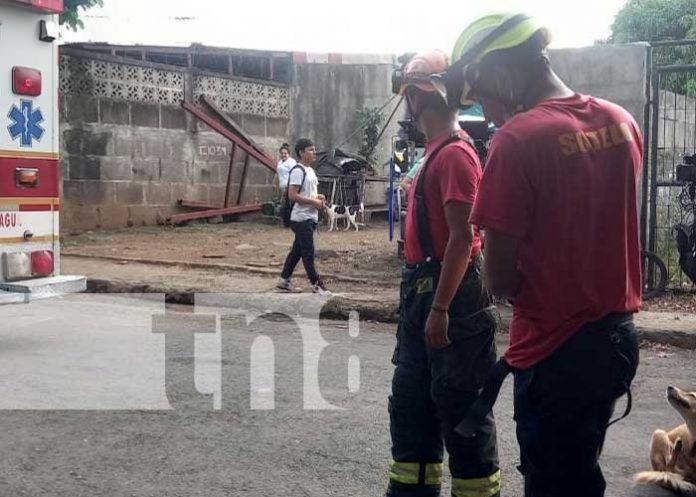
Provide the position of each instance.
(283, 170)
(310, 188)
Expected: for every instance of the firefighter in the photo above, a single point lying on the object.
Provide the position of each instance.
(445, 338)
(558, 202)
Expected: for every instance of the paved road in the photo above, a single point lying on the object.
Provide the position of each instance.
(96, 404)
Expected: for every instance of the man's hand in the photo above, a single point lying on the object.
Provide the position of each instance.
(319, 203)
(436, 329)
(321, 197)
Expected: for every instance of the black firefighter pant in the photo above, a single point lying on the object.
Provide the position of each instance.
(563, 406)
(432, 390)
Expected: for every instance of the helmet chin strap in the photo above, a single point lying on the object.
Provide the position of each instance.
(414, 115)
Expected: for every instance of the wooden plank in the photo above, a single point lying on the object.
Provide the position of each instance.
(237, 209)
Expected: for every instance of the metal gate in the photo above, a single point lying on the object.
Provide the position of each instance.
(670, 134)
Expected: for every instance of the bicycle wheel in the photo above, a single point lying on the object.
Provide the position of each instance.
(654, 275)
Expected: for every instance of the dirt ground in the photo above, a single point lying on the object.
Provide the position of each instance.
(366, 255)
(363, 263)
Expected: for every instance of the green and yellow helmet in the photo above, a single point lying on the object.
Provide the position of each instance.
(483, 36)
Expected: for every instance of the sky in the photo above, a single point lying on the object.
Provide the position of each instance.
(354, 26)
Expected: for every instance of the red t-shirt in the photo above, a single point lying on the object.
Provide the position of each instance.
(452, 175)
(563, 177)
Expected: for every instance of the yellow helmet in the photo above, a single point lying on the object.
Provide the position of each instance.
(483, 36)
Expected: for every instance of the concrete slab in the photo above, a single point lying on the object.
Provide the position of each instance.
(12, 298)
(47, 287)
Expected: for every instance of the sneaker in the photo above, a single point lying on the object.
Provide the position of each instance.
(320, 289)
(285, 284)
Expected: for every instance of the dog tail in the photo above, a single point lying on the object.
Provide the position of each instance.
(665, 479)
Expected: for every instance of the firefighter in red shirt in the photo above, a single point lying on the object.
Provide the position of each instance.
(446, 333)
(558, 202)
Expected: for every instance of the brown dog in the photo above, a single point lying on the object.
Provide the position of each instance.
(673, 454)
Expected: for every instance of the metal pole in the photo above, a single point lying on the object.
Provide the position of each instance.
(391, 197)
(652, 235)
(647, 146)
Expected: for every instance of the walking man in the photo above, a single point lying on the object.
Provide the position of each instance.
(303, 193)
(445, 339)
(558, 202)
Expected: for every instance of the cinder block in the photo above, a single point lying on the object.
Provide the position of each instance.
(142, 216)
(83, 167)
(114, 112)
(65, 167)
(75, 218)
(122, 143)
(72, 140)
(175, 171)
(217, 195)
(81, 109)
(146, 169)
(129, 193)
(148, 145)
(116, 168)
(257, 174)
(173, 117)
(112, 216)
(145, 115)
(197, 192)
(98, 192)
(277, 128)
(254, 125)
(158, 194)
(179, 191)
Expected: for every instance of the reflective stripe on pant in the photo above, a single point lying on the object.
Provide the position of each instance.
(433, 389)
(415, 473)
(477, 487)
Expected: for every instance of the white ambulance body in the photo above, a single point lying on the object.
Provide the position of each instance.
(29, 157)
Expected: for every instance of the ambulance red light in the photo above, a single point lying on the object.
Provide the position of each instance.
(51, 6)
(26, 81)
(42, 263)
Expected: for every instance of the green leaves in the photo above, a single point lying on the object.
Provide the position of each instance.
(71, 15)
(655, 20)
(369, 119)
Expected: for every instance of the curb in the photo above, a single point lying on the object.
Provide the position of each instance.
(340, 308)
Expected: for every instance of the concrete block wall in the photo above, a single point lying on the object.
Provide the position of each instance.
(128, 163)
(327, 93)
(613, 72)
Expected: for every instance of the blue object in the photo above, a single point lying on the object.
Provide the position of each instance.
(26, 123)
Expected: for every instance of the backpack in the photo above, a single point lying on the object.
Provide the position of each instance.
(286, 204)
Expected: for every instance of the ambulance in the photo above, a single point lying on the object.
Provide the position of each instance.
(29, 157)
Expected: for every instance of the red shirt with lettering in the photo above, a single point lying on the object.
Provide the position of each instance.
(563, 177)
(453, 175)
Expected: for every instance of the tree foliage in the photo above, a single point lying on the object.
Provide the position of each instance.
(369, 120)
(661, 20)
(655, 20)
(73, 10)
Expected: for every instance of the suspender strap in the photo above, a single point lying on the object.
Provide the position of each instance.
(422, 224)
